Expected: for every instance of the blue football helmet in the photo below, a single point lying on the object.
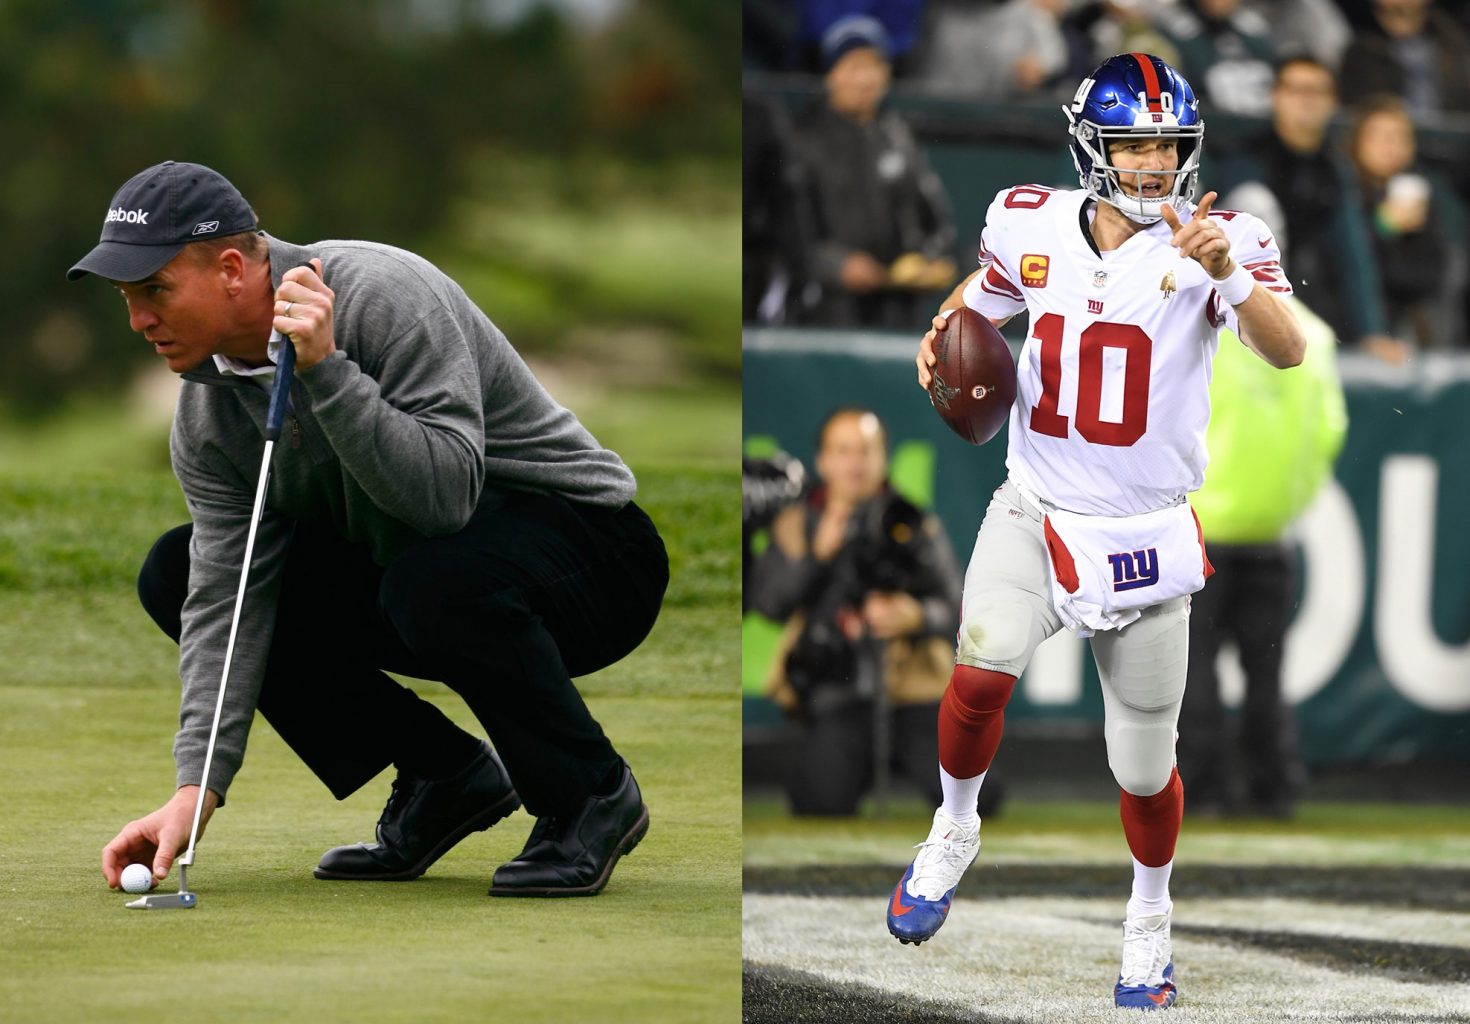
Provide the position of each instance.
(1130, 95)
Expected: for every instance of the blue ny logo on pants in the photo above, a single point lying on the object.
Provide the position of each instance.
(1134, 569)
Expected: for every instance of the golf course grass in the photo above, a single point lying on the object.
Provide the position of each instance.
(88, 705)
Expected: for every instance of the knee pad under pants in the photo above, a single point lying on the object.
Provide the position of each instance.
(1142, 669)
(1007, 610)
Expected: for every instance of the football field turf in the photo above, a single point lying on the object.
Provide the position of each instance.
(88, 705)
(1352, 913)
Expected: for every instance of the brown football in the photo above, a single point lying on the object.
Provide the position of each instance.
(974, 376)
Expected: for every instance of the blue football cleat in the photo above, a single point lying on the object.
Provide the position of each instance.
(1147, 979)
(920, 902)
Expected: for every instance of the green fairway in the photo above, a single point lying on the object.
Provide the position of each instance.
(88, 703)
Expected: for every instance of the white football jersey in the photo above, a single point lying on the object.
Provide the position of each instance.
(1112, 391)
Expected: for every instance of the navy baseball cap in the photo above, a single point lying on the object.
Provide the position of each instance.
(854, 32)
(158, 212)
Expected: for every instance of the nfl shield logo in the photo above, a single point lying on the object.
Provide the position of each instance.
(1099, 278)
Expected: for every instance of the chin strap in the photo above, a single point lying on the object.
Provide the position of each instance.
(1137, 218)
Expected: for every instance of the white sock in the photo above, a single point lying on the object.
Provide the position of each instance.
(1150, 889)
(960, 796)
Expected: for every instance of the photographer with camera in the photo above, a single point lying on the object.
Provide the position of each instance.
(870, 590)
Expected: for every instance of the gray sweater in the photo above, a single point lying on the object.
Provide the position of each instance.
(423, 411)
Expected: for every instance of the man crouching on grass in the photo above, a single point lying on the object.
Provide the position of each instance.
(431, 511)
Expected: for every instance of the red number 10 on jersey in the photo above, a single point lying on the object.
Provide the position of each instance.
(1096, 337)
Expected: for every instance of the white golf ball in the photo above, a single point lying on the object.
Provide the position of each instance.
(137, 878)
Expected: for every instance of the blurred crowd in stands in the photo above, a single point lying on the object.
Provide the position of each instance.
(1326, 102)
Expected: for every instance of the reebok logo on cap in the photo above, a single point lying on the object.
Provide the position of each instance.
(127, 216)
(206, 227)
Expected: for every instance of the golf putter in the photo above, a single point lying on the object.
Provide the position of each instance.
(274, 419)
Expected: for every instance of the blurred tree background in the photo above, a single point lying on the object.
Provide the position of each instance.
(571, 162)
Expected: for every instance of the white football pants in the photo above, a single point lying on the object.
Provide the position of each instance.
(1007, 612)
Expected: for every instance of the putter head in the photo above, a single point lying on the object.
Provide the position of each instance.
(181, 900)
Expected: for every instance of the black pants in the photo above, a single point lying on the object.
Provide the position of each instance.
(529, 594)
(832, 766)
(1249, 600)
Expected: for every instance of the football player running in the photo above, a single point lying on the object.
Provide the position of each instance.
(1127, 284)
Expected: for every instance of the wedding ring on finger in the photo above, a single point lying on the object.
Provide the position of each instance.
(288, 309)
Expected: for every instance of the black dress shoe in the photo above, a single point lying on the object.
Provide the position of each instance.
(423, 820)
(573, 855)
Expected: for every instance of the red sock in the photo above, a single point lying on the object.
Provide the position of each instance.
(1151, 823)
(971, 717)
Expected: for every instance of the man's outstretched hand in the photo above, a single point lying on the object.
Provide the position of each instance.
(1200, 238)
(157, 838)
